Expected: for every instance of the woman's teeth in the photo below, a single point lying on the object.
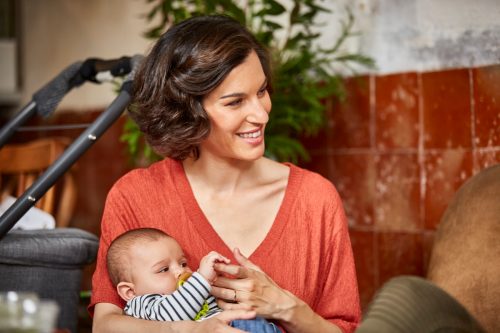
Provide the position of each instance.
(252, 135)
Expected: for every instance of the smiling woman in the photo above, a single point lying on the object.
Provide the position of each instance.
(238, 111)
(202, 100)
(185, 65)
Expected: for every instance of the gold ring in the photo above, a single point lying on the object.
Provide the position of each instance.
(235, 296)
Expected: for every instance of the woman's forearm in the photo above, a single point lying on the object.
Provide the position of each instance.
(300, 318)
(124, 324)
(108, 320)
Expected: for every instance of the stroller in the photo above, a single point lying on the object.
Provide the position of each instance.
(49, 262)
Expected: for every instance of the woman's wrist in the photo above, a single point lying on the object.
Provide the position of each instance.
(290, 309)
(297, 316)
(181, 326)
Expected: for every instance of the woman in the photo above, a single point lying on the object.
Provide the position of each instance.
(202, 100)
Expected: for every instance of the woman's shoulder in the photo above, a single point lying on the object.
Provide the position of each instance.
(312, 187)
(310, 179)
(145, 177)
(314, 202)
(140, 189)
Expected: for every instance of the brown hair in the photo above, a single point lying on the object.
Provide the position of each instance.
(188, 62)
(118, 251)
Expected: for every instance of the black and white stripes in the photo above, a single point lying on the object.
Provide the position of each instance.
(183, 304)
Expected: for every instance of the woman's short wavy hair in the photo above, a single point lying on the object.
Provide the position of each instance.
(188, 62)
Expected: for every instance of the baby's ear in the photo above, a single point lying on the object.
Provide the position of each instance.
(126, 290)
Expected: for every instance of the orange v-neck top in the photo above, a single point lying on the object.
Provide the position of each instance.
(307, 251)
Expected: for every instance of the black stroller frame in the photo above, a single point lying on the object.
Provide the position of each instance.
(45, 101)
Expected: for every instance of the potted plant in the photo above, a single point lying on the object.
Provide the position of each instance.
(303, 73)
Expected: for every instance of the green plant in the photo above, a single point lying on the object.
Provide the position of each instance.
(303, 72)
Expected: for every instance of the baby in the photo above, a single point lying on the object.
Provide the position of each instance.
(151, 274)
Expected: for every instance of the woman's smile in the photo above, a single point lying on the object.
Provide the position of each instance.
(254, 137)
(239, 111)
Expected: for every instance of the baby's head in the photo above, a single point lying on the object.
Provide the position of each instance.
(145, 261)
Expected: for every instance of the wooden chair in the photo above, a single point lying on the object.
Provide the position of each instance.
(48, 262)
(22, 164)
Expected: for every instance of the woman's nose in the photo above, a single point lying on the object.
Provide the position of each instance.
(258, 112)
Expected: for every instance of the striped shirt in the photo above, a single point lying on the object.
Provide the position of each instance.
(183, 304)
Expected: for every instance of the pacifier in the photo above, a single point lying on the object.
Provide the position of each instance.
(182, 278)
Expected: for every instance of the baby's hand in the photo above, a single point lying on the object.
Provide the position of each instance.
(207, 265)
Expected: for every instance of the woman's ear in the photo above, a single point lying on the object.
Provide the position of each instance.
(126, 290)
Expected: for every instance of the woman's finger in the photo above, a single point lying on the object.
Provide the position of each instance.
(220, 323)
(230, 295)
(233, 306)
(234, 270)
(236, 284)
(222, 293)
(244, 261)
(230, 315)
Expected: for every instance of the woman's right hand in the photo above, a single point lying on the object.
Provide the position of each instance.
(220, 322)
(110, 318)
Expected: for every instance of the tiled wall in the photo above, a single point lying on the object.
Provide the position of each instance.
(397, 150)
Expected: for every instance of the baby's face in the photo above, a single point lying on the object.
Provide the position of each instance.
(156, 266)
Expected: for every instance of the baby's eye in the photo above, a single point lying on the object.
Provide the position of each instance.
(163, 270)
(184, 264)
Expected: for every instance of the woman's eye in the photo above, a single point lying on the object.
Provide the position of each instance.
(262, 92)
(163, 270)
(235, 102)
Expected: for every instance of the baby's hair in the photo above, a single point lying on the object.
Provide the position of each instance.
(118, 252)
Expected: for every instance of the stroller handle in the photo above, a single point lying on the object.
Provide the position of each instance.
(93, 69)
(50, 95)
(46, 100)
(99, 70)
(28, 199)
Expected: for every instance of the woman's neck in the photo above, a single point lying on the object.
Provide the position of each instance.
(223, 175)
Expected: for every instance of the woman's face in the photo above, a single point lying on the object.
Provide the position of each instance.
(238, 110)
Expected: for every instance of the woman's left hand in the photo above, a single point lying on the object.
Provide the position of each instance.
(252, 289)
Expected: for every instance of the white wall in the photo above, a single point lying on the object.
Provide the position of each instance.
(401, 35)
(424, 35)
(57, 33)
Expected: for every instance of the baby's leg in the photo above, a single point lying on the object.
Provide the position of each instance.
(257, 325)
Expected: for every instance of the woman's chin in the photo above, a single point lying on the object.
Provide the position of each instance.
(254, 154)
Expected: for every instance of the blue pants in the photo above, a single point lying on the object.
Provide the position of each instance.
(257, 325)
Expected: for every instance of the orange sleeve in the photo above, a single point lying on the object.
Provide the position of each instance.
(339, 300)
(341, 306)
(112, 225)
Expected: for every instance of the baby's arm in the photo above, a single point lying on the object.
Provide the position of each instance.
(207, 265)
(182, 304)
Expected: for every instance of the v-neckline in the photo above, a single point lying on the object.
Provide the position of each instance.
(208, 233)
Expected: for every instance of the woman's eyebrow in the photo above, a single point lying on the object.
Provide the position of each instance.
(232, 95)
(239, 94)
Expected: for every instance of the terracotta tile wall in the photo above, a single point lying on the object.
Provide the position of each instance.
(397, 150)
